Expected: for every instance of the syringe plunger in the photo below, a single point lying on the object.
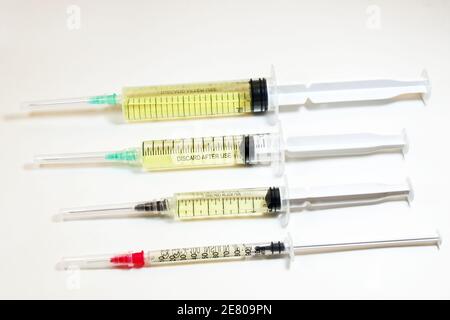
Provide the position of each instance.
(345, 145)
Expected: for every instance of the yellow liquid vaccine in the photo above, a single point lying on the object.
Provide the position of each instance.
(186, 101)
(221, 151)
(221, 204)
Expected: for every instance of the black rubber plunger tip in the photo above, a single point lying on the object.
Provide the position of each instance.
(260, 97)
(273, 199)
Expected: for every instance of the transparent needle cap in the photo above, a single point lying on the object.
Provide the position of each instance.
(124, 210)
(231, 252)
(247, 202)
(131, 156)
(124, 260)
(72, 103)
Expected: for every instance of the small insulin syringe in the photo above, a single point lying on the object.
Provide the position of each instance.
(247, 202)
(234, 150)
(231, 98)
(230, 252)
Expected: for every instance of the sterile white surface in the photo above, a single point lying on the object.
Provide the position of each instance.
(43, 54)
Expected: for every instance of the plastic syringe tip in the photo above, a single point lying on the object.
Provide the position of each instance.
(133, 260)
(70, 158)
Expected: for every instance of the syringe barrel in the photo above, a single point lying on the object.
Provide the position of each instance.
(204, 152)
(251, 202)
(195, 100)
(215, 253)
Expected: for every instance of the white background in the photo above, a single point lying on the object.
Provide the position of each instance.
(44, 55)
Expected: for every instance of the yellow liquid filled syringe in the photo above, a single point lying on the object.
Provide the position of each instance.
(233, 98)
(234, 150)
(231, 252)
(248, 202)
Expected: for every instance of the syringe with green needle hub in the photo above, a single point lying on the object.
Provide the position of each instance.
(232, 98)
(276, 201)
(234, 150)
(231, 252)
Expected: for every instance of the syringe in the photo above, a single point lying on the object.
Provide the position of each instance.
(251, 202)
(230, 252)
(234, 150)
(231, 98)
